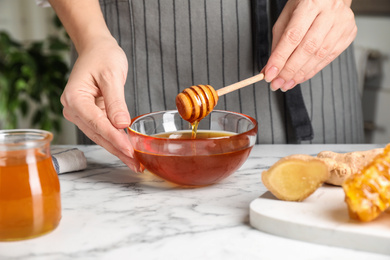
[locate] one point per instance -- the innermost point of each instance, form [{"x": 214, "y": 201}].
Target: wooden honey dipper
[{"x": 196, "y": 102}]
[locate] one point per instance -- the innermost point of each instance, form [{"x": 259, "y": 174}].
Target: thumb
[{"x": 115, "y": 104}]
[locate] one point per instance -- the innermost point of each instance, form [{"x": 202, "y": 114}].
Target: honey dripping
[
  {"x": 367, "y": 193},
  {"x": 194, "y": 127}
]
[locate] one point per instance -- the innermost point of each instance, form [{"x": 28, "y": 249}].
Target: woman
[{"x": 138, "y": 55}]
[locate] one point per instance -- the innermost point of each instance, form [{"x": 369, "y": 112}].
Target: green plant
[{"x": 32, "y": 77}]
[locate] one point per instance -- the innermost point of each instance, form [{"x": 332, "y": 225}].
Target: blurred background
[{"x": 34, "y": 67}]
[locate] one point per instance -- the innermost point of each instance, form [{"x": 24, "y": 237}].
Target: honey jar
[{"x": 30, "y": 203}]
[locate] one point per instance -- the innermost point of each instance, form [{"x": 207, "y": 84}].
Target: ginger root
[
  {"x": 341, "y": 166},
  {"x": 295, "y": 177}
]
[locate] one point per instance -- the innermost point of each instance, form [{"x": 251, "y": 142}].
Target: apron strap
[{"x": 294, "y": 103}]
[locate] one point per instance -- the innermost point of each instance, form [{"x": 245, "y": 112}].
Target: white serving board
[{"x": 322, "y": 218}]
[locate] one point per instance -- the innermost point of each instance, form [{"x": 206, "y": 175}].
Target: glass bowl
[{"x": 163, "y": 145}]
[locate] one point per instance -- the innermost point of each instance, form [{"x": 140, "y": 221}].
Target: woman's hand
[
  {"x": 308, "y": 35},
  {"x": 94, "y": 100},
  {"x": 94, "y": 97}
]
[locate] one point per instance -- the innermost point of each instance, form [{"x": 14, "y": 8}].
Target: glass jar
[{"x": 30, "y": 203}]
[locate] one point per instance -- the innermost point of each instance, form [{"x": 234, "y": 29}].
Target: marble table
[{"x": 110, "y": 212}]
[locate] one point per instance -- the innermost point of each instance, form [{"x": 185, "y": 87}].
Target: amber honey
[
  {"x": 29, "y": 195},
  {"x": 194, "y": 165},
  {"x": 199, "y": 134}
]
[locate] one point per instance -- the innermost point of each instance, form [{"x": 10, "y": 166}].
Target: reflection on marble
[{"x": 110, "y": 212}]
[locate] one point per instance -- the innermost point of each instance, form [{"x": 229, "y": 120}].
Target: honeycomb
[{"x": 367, "y": 193}]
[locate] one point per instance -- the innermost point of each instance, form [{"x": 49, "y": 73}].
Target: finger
[
  {"x": 126, "y": 157},
  {"x": 305, "y": 51},
  {"x": 326, "y": 53},
  {"x": 277, "y": 32},
  {"x": 299, "y": 24},
  {"x": 117, "y": 136},
  {"x": 95, "y": 119},
  {"x": 97, "y": 138},
  {"x": 131, "y": 162},
  {"x": 343, "y": 43},
  {"x": 317, "y": 68},
  {"x": 337, "y": 40},
  {"x": 313, "y": 67},
  {"x": 111, "y": 83}
]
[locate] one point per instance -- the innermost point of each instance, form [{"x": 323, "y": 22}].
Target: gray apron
[{"x": 172, "y": 45}]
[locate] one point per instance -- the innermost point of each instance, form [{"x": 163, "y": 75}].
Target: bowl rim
[{"x": 254, "y": 121}]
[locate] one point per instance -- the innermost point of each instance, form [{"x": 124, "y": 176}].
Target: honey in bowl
[
  {"x": 163, "y": 143},
  {"x": 201, "y": 134},
  {"x": 30, "y": 203}
]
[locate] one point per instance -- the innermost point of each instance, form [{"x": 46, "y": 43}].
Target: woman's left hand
[{"x": 308, "y": 35}]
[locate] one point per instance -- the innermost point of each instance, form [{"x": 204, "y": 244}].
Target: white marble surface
[{"x": 109, "y": 212}]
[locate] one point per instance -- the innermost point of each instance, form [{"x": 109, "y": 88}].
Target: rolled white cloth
[
  {"x": 68, "y": 160},
  {"x": 42, "y": 3}
]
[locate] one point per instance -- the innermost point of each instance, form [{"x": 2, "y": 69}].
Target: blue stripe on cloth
[
  {"x": 56, "y": 165},
  {"x": 53, "y": 152}
]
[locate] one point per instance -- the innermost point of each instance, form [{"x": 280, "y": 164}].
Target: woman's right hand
[{"x": 93, "y": 98}]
